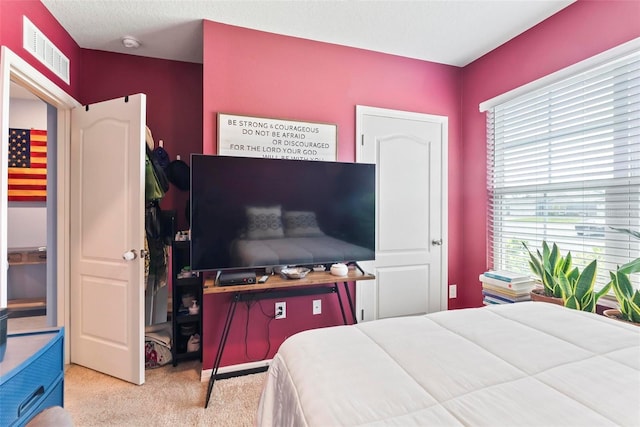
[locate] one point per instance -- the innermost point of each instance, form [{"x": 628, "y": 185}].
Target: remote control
[{"x": 263, "y": 279}]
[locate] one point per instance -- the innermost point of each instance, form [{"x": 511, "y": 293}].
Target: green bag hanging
[{"x": 152, "y": 189}]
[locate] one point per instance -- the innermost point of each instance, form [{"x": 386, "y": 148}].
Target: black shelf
[
  {"x": 187, "y": 281},
  {"x": 189, "y": 355},
  {"x": 184, "y": 325},
  {"x": 187, "y": 318}
]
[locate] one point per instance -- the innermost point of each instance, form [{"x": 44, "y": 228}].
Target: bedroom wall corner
[{"x": 560, "y": 41}]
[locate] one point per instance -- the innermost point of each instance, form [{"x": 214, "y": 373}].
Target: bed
[{"x": 529, "y": 363}]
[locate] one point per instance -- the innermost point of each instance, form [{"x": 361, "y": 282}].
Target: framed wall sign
[{"x": 246, "y": 136}]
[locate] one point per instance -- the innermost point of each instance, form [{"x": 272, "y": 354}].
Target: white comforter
[{"x": 528, "y": 363}]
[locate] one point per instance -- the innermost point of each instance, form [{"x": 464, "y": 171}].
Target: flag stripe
[
  {"x": 28, "y": 165},
  {"x": 29, "y": 192},
  {"x": 26, "y": 182},
  {"x": 28, "y": 198},
  {"x": 34, "y": 173}
]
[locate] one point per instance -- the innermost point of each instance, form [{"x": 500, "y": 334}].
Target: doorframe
[
  {"x": 361, "y": 111},
  {"x": 13, "y": 67}
]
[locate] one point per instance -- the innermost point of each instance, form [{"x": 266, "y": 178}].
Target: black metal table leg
[
  {"x": 353, "y": 310},
  {"x": 337, "y": 291},
  {"x": 223, "y": 341}
]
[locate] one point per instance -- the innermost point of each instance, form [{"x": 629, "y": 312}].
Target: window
[{"x": 564, "y": 166}]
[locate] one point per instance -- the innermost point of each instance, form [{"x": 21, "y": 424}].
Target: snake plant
[
  {"x": 628, "y": 298},
  {"x": 562, "y": 280},
  {"x": 578, "y": 291},
  {"x": 549, "y": 266}
]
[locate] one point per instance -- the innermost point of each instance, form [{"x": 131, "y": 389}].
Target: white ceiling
[{"x": 454, "y": 32}]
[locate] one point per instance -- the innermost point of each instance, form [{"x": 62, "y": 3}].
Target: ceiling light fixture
[{"x": 130, "y": 42}]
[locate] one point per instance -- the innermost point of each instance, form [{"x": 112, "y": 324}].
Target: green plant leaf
[
  {"x": 586, "y": 280},
  {"x": 623, "y": 286},
  {"x": 568, "y": 262},
  {"x": 636, "y": 297},
  {"x": 631, "y": 267},
  {"x": 605, "y": 290},
  {"x": 549, "y": 284},
  {"x": 573, "y": 274},
  {"x": 553, "y": 259},
  {"x": 565, "y": 287},
  {"x": 634, "y": 314},
  {"x": 572, "y": 302},
  {"x": 588, "y": 303},
  {"x": 633, "y": 233}
]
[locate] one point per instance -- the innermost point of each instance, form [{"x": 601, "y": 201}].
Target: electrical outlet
[
  {"x": 317, "y": 306},
  {"x": 453, "y": 291},
  {"x": 281, "y": 310}
]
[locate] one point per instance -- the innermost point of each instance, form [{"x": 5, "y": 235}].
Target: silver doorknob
[
  {"x": 129, "y": 255},
  {"x": 435, "y": 242}
]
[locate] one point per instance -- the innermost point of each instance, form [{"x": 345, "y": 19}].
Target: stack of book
[{"x": 505, "y": 287}]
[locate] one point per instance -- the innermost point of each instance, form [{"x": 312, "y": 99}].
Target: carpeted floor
[{"x": 170, "y": 396}]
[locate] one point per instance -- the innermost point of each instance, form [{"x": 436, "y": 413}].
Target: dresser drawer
[
  {"x": 26, "y": 387},
  {"x": 54, "y": 398}
]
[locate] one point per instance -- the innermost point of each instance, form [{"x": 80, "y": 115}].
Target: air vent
[{"x": 46, "y": 52}]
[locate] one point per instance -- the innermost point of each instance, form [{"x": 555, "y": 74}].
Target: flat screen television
[{"x": 250, "y": 213}]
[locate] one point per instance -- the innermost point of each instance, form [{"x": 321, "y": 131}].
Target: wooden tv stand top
[{"x": 276, "y": 281}]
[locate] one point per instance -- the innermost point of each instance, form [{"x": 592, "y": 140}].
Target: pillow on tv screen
[
  {"x": 264, "y": 222},
  {"x": 301, "y": 224}
]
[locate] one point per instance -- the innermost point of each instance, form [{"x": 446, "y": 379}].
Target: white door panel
[
  {"x": 403, "y": 290},
  {"x": 98, "y": 297},
  {"x": 403, "y": 211},
  {"x": 107, "y": 220},
  {"x": 409, "y": 150}
]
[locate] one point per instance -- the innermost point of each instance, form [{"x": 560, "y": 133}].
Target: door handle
[
  {"x": 129, "y": 255},
  {"x": 437, "y": 242}
]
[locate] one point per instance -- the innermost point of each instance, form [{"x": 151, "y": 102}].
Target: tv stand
[{"x": 277, "y": 287}]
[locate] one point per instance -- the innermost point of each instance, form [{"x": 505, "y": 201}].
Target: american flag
[{"x": 27, "y": 165}]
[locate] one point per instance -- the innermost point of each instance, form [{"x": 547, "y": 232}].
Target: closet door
[
  {"x": 409, "y": 150},
  {"x": 106, "y": 238}
]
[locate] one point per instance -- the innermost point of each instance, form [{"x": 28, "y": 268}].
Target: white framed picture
[{"x": 247, "y": 136}]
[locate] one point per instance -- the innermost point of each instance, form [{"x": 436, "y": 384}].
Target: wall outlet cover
[{"x": 281, "y": 310}]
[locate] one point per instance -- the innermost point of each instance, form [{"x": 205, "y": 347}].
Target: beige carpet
[{"x": 170, "y": 396}]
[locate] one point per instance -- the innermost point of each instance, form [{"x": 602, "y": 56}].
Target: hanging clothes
[{"x": 156, "y": 185}]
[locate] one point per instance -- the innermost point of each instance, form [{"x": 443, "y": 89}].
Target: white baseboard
[{"x": 205, "y": 374}]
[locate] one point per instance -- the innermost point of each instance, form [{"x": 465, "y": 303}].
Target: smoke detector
[{"x": 130, "y": 42}]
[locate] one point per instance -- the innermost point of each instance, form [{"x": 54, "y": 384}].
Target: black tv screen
[{"x": 249, "y": 213}]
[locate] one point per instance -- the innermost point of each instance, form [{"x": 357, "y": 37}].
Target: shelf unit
[
  {"x": 24, "y": 258},
  {"x": 184, "y": 324}
]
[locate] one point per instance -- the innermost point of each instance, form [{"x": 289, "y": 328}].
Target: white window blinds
[{"x": 564, "y": 166}]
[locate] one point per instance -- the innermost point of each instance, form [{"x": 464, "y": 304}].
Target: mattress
[
  {"x": 529, "y": 363},
  {"x": 295, "y": 251}
]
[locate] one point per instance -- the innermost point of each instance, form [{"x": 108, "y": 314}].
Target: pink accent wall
[
  {"x": 578, "y": 32},
  {"x": 11, "y": 13},
  {"x": 174, "y": 101},
  {"x": 256, "y": 73}
]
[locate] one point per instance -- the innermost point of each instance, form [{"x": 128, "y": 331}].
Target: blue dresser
[{"x": 31, "y": 375}]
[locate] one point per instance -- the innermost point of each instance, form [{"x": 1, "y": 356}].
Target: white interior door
[
  {"x": 107, "y": 222},
  {"x": 409, "y": 150}
]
